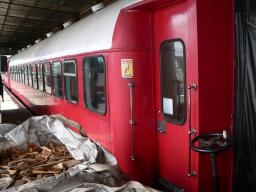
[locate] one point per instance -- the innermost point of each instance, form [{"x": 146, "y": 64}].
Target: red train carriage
[{"x": 123, "y": 73}]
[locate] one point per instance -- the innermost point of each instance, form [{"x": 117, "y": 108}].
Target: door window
[{"x": 173, "y": 81}]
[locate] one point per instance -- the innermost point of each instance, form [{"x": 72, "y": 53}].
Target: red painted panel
[
  {"x": 133, "y": 30},
  {"x": 216, "y": 68},
  {"x": 209, "y": 63},
  {"x": 177, "y": 21},
  {"x": 143, "y": 166}
]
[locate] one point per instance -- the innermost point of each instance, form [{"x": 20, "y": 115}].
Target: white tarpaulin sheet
[{"x": 98, "y": 172}]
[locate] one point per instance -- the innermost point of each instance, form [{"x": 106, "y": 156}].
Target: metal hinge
[{"x": 161, "y": 126}]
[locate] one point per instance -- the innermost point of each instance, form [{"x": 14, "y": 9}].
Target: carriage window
[
  {"x": 18, "y": 73},
  {"x": 70, "y": 81},
  {"x": 30, "y": 75},
  {"x": 94, "y": 84},
  {"x": 12, "y": 73},
  {"x": 40, "y": 77},
  {"x": 15, "y": 73},
  {"x": 57, "y": 79},
  {"x": 47, "y": 78},
  {"x": 173, "y": 83},
  {"x": 23, "y": 74},
  {"x": 27, "y": 74},
  {"x": 20, "y": 76},
  {"x": 34, "y": 76}
]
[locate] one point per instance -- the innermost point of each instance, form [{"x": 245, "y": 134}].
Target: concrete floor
[{"x": 12, "y": 110}]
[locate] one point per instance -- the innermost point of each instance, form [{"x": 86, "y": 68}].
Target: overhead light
[
  {"x": 49, "y": 34},
  {"x": 37, "y": 41},
  {"x": 23, "y": 49},
  {"x": 68, "y": 23},
  {"x": 97, "y": 7},
  {"x": 29, "y": 45}
]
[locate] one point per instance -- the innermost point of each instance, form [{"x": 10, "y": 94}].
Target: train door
[{"x": 172, "y": 62}]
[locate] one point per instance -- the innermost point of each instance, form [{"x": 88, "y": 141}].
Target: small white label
[{"x": 168, "y": 106}]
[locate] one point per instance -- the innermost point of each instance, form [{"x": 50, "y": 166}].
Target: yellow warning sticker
[{"x": 127, "y": 68}]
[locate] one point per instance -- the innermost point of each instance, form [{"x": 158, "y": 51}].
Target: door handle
[
  {"x": 132, "y": 119},
  {"x": 191, "y": 131}
]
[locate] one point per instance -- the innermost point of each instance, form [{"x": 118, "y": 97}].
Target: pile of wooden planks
[{"x": 35, "y": 162}]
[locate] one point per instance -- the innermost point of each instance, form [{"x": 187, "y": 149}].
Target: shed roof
[
  {"x": 24, "y": 21},
  {"x": 92, "y": 33}
]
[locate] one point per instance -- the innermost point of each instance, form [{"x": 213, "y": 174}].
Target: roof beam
[
  {"x": 26, "y": 27},
  {"x": 15, "y": 25},
  {"x": 7, "y": 11},
  {"x": 60, "y": 9},
  {"x": 18, "y": 31},
  {"x": 49, "y": 15},
  {"x": 5, "y": 44},
  {"x": 8, "y": 51},
  {"x": 30, "y": 18},
  {"x": 23, "y": 20}
]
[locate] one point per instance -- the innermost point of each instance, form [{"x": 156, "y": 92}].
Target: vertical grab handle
[
  {"x": 191, "y": 131},
  {"x": 132, "y": 120}
]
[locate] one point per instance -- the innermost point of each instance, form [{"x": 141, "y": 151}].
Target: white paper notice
[{"x": 168, "y": 106}]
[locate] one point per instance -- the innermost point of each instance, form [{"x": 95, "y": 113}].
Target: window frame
[
  {"x": 28, "y": 82},
  {"x": 105, "y": 85},
  {"x": 33, "y": 84},
  {"x": 167, "y": 117},
  {"x": 70, "y": 75},
  {"x": 19, "y": 75},
  {"x": 53, "y": 88},
  {"x": 15, "y": 73},
  {"x": 11, "y": 73},
  {"x": 23, "y": 74},
  {"x": 41, "y": 69},
  {"x": 50, "y": 65}
]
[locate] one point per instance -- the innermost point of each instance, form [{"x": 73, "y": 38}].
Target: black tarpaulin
[{"x": 244, "y": 178}]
